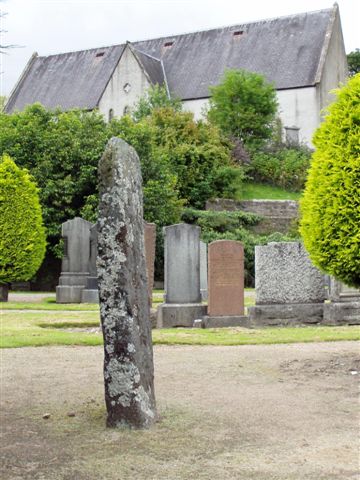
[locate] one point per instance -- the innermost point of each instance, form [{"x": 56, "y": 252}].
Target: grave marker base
[{"x": 179, "y": 314}]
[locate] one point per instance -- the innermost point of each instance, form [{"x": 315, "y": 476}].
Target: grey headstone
[
  {"x": 182, "y": 263},
  {"x": 203, "y": 270},
  {"x": 284, "y": 274},
  {"x": 90, "y": 294},
  {"x": 124, "y": 305},
  {"x": 75, "y": 262}
]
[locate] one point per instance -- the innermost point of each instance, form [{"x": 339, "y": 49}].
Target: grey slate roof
[{"x": 286, "y": 50}]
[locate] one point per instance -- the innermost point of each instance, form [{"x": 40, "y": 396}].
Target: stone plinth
[
  {"x": 179, "y": 314},
  {"x": 342, "y": 313},
  {"x": 289, "y": 289},
  {"x": 150, "y": 244},
  {"x": 75, "y": 262},
  {"x": 124, "y": 300},
  {"x": 225, "y": 321},
  {"x": 226, "y": 278}
]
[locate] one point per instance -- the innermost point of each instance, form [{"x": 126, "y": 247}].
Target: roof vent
[
  {"x": 168, "y": 44},
  {"x": 238, "y": 33},
  {"x": 100, "y": 54}
]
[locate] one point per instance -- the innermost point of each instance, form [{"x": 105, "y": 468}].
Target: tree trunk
[{"x": 4, "y": 292}]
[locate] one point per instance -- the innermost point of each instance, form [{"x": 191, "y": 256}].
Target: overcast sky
[{"x": 52, "y": 26}]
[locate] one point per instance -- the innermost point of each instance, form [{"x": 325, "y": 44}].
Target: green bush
[
  {"x": 244, "y": 106},
  {"x": 330, "y": 223},
  {"x": 284, "y": 167},
  {"x": 22, "y": 235}
]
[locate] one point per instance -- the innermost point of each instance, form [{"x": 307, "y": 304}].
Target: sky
[{"x": 51, "y": 26}]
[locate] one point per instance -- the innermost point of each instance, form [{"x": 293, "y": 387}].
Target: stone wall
[{"x": 277, "y": 215}]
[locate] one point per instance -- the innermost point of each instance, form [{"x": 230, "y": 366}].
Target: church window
[
  {"x": 126, "y": 109},
  {"x": 127, "y": 87},
  {"x": 111, "y": 114}
]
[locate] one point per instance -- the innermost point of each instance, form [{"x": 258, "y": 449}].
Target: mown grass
[
  {"x": 24, "y": 329},
  {"x": 259, "y": 191}
]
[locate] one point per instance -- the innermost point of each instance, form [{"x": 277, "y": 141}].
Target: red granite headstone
[
  {"x": 150, "y": 242},
  {"x": 226, "y": 278}
]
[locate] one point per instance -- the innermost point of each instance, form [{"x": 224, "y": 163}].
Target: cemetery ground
[{"x": 279, "y": 408}]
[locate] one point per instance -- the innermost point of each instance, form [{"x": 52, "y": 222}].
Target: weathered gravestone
[
  {"x": 203, "y": 270},
  {"x": 150, "y": 244},
  {"x": 182, "y": 277},
  {"x": 226, "y": 285},
  {"x": 123, "y": 290},
  {"x": 344, "y": 305},
  {"x": 75, "y": 262},
  {"x": 90, "y": 294},
  {"x": 289, "y": 289}
]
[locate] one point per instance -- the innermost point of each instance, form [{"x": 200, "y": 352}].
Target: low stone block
[
  {"x": 226, "y": 321},
  {"x": 290, "y": 314},
  {"x": 179, "y": 314},
  {"x": 90, "y": 296},
  {"x": 342, "y": 313},
  {"x": 69, "y": 293}
]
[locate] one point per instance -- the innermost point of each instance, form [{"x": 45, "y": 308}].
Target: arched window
[
  {"x": 126, "y": 110},
  {"x": 111, "y": 114}
]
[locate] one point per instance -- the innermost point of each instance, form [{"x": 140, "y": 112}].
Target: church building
[{"x": 302, "y": 55}]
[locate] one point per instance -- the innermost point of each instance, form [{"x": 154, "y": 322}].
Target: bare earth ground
[{"x": 252, "y": 412}]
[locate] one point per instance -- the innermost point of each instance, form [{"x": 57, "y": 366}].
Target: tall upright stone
[
  {"x": 75, "y": 262},
  {"x": 90, "y": 294},
  {"x": 182, "y": 277},
  {"x": 204, "y": 270},
  {"x": 150, "y": 244},
  {"x": 124, "y": 305}
]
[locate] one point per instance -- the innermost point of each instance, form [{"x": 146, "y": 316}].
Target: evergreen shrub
[{"x": 330, "y": 223}]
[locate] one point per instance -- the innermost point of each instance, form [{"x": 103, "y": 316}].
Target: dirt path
[{"x": 280, "y": 412}]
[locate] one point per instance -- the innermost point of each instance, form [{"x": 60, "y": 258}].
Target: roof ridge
[{"x": 134, "y": 42}]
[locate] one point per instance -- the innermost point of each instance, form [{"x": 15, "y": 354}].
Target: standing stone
[
  {"x": 203, "y": 270},
  {"x": 90, "y": 294},
  {"x": 182, "y": 277},
  {"x": 75, "y": 262},
  {"x": 124, "y": 305},
  {"x": 289, "y": 289},
  {"x": 226, "y": 278},
  {"x": 150, "y": 244}
]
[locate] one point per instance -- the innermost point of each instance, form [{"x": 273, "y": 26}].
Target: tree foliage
[
  {"x": 330, "y": 224},
  {"x": 155, "y": 97},
  {"x": 353, "y": 59},
  {"x": 244, "y": 106},
  {"x": 22, "y": 235}
]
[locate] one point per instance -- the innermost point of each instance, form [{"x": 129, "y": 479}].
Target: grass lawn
[
  {"x": 259, "y": 191},
  {"x": 26, "y": 328}
]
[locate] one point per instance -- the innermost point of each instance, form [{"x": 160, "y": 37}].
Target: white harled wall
[{"x": 128, "y": 71}]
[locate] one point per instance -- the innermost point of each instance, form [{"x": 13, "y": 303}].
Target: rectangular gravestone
[
  {"x": 75, "y": 262},
  {"x": 90, "y": 294},
  {"x": 203, "y": 270},
  {"x": 289, "y": 289},
  {"x": 150, "y": 244},
  {"x": 182, "y": 277},
  {"x": 225, "y": 285}
]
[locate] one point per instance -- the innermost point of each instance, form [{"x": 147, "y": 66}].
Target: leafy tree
[
  {"x": 330, "y": 224},
  {"x": 22, "y": 235},
  {"x": 155, "y": 97},
  {"x": 244, "y": 106},
  {"x": 353, "y": 59}
]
